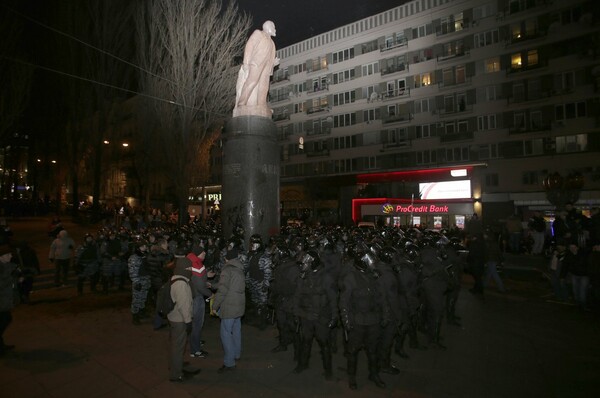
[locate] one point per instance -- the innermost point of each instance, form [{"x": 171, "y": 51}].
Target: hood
[
  {"x": 183, "y": 267},
  {"x": 236, "y": 263}
]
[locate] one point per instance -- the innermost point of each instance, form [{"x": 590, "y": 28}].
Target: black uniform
[
  {"x": 409, "y": 273},
  {"x": 362, "y": 310},
  {"x": 435, "y": 283},
  {"x": 390, "y": 288},
  {"x": 316, "y": 310},
  {"x": 285, "y": 280}
]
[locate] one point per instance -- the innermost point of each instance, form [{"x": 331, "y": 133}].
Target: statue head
[{"x": 269, "y": 27}]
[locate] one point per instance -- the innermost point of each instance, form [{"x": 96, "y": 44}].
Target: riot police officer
[
  {"x": 87, "y": 263},
  {"x": 140, "y": 281},
  {"x": 285, "y": 280},
  {"x": 316, "y": 310},
  {"x": 435, "y": 283},
  {"x": 390, "y": 288},
  {"x": 258, "y": 277},
  {"x": 363, "y": 312}
]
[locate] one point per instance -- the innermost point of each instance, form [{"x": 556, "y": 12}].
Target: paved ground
[{"x": 511, "y": 345}]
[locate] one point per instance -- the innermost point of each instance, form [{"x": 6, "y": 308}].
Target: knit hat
[
  {"x": 183, "y": 266},
  {"x": 231, "y": 254}
]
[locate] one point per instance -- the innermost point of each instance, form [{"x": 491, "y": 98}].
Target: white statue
[{"x": 252, "y": 85}]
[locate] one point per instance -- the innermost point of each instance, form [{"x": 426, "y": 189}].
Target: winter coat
[
  {"x": 181, "y": 294},
  {"x": 230, "y": 299},
  {"x": 62, "y": 247},
  {"x": 8, "y": 282}
]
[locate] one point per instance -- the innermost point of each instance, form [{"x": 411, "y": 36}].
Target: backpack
[{"x": 164, "y": 302}]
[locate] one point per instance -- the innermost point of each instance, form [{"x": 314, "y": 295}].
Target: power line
[
  {"x": 110, "y": 85},
  {"x": 85, "y": 43}
]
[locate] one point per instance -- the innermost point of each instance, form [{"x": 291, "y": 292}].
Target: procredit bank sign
[{"x": 388, "y": 208}]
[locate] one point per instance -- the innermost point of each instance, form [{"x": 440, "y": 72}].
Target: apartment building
[{"x": 500, "y": 93}]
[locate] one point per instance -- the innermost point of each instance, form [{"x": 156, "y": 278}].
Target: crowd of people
[
  {"x": 371, "y": 290},
  {"x": 345, "y": 287}
]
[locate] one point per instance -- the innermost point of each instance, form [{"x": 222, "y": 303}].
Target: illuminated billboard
[{"x": 445, "y": 190}]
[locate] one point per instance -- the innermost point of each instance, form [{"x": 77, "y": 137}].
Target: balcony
[
  {"x": 526, "y": 36},
  {"x": 317, "y": 109},
  {"x": 461, "y": 136},
  {"x": 458, "y": 25},
  {"x": 396, "y": 93},
  {"x": 279, "y": 98},
  {"x": 531, "y": 129},
  {"x": 280, "y": 116},
  {"x": 317, "y": 152},
  {"x": 319, "y": 88},
  {"x": 395, "y": 68},
  {"x": 318, "y": 130},
  {"x": 396, "y": 144},
  {"x": 280, "y": 77},
  {"x": 401, "y": 118},
  {"x": 393, "y": 44},
  {"x": 514, "y": 69},
  {"x": 459, "y": 109},
  {"x": 457, "y": 54},
  {"x": 454, "y": 83}
]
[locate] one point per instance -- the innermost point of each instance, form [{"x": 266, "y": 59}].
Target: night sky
[
  {"x": 295, "y": 21},
  {"x": 299, "y": 20}
]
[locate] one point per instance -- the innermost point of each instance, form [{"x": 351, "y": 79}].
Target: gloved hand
[
  {"x": 137, "y": 287},
  {"x": 332, "y": 323},
  {"x": 384, "y": 323},
  {"x": 188, "y": 327}
]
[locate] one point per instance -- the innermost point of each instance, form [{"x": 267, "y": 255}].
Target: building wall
[{"x": 511, "y": 84}]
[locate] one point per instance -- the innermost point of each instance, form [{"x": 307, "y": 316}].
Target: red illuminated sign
[{"x": 388, "y": 209}]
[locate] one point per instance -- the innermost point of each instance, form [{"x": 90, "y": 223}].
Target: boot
[
  {"x": 385, "y": 365},
  {"x": 414, "y": 341},
  {"x": 373, "y": 370},
  {"x": 437, "y": 344},
  {"x": 327, "y": 361},
  {"x": 399, "y": 349},
  {"x": 352, "y": 359},
  {"x": 374, "y": 377},
  {"x": 303, "y": 358}
]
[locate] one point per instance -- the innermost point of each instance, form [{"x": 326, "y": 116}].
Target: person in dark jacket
[
  {"x": 575, "y": 266},
  {"x": 494, "y": 259},
  {"x": 200, "y": 291},
  {"x": 8, "y": 283},
  {"x": 285, "y": 280},
  {"x": 435, "y": 284},
  {"x": 476, "y": 259},
  {"x": 230, "y": 304},
  {"x": 316, "y": 310},
  {"x": 30, "y": 267},
  {"x": 87, "y": 263},
  {"x": 390, "y": 287},
  {"x": 363, "y": 313}
]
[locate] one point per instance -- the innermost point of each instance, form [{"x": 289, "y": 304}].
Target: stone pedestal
[{"x": 250, "y": 192}]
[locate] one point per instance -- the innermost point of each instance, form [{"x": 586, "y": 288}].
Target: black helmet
[
  {"x": 89, "y": 238},
  {"x": 412, "y": 251},
  {"x": 256, "y": 244},
  {"x": 310, "y": 260},
  {"x": 366, "y": 262},
  {"x": 387, "y": 254}
]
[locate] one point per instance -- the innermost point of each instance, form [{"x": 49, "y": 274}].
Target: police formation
[{"x": 347, "y": 288}]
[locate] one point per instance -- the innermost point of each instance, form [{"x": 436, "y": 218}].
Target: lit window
[
  {"x": 492, "y": 65},
  {"x": 515, "y": 61},
  {"x": 532, "y": 57},
  {"x": 426, "y": 79}
]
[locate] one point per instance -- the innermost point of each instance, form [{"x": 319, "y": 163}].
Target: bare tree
[{"x": 189, "y": 49}]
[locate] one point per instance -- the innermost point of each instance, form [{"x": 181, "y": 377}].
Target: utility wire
[
  {"x": 84, "y": 43},
  {"x": 109, "y": 85}
]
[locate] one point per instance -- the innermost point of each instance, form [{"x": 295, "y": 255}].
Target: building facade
[{"x": 507, "y": 88}]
